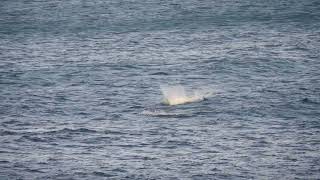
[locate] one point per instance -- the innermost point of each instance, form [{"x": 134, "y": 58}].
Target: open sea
[{"x": 159, "y": 89}]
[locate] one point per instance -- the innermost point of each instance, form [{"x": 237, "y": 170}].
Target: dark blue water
[{"x": 80, "y": 90}]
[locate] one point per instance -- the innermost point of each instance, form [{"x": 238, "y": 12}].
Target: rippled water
[{"x": 80, "y": 89}]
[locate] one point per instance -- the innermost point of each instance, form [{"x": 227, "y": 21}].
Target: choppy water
[{"x": 80, "y": 89}]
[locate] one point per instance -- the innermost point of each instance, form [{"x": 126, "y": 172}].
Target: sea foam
[{"x": 174, "y": 95}]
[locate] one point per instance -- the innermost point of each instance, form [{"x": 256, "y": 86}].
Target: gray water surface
[{"x": 80, "y": 89}]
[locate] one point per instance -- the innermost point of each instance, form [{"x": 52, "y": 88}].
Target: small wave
[
  {"x": 308, "y": 101},
  {"x": 32, "y": 139},
  {"x": 68, "y": 130},
  {"x": 175, "y": 95},
  {"x": 7, "y": 133},
  {"x": 162, "y": 113},
  {"x": 114, "y": 132},
  {"x": 157, "y": 113},
  {"x": 102, "y": 174},
  {"x": 160, "y": 73}
]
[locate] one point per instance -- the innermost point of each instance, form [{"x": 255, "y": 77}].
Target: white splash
[{"x": 174, "y": 95}]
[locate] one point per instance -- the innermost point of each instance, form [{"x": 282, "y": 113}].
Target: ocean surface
[{"x": 160, "y": 89}]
